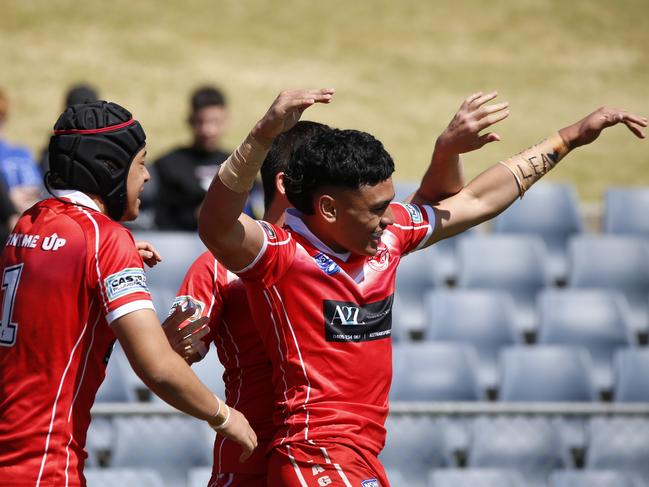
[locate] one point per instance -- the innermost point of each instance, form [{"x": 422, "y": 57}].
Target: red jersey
[
  {"x": 221, "y": 295},
  {"x": 68, "y": 271},
  {"x": 326, "y": 319}
]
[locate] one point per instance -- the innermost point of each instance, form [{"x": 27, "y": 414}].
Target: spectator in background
[
  {"x": 18, "y": 171},
  {"x": 8, "y": 215},
  {"x": 79, "y": 93},
  {"x": 183, "y": 176}
]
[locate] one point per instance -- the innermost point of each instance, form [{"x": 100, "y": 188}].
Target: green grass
[{"x": 400, "y": 68}]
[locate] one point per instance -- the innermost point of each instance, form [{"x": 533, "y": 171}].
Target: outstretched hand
[
  {"x": 148, "y": 252},
  {"x": 588, "y": 129},
  {"x": 286, "y": 110},
  {"x": 474, "y": 115}
]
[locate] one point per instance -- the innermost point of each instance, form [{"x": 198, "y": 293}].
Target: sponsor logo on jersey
[
  {"x": 327, "y": 265},
  {"x": 351, "y": 322},
  {"x": 269, "y": 230},
  {"x": 123, "y": 283},
  {"x": 379, "y": 262},
  {"x": 370, "y": 483},
  {"x": 415, "y": 213},
  {"x": 184, "y": 301}
]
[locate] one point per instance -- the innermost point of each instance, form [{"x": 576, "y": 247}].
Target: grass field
[{"x": 400, "y": 68}]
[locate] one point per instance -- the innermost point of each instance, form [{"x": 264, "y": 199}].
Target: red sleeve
[
  {"x": 274, "y": 258},
  {"x": 119, "y": 271},
  {"x": 413, "y": 225}
]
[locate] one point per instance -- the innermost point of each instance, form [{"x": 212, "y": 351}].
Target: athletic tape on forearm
[
  {"x": 532, "y": 164},
  {"x": 239, "y": 171}
]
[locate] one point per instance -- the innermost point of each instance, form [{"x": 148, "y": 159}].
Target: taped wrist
[
  {"x": 532, "y": 164},
  {"x": 239, "y": 170}
]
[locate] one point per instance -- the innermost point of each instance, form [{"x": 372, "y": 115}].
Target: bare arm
[
  {"x": 169, "y": 377},
  {"x": 496, "y": 188},
  {"x": 233, "y": 237},
  {"x": 445, "y": 174}
]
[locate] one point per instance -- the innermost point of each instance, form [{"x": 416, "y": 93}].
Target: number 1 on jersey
[{"x": 10, "y": 280}]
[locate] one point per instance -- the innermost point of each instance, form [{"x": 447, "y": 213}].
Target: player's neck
[
  {"x": 275, "y": 212},
  {"x": 99, "y": 202},
  {"x": 317, "y": 228}
]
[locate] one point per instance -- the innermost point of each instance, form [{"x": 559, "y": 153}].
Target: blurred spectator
[
  {"x": 79, "y": 93},
  {"x": 8, "y": 215},
  {"x": 18, "y": 170},
  {"x": 183, "y": 175}
]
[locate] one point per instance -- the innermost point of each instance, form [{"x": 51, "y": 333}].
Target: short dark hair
[
  {"x": 280, "y": 153},
  {"x": 206, "y": 96},
  {"x": 347, "y": 158}
]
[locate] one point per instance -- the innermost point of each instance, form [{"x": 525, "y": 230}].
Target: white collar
[
  {"x": 76, "y": 197},
  {"x": 294, "y": 220}
]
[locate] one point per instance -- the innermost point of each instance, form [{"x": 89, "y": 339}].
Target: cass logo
[
  {"x": 327, "y": 265},
  {"x": 415, "y": 213},
  {"x": 370, "y": 483},
  {"x": 127, "y": 281},
  {"x": 380, "y": 261}
]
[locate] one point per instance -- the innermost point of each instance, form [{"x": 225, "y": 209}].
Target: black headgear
[{"x": 91, "y": 150}]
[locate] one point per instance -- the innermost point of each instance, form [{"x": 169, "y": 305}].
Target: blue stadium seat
[
  {"x": 414, "y": 278},
  {"x": 482, "y": 318},
  {"x": 590, "y": 478},
  {"x": 199, "y": 477},
  {"x": 515, "y": 264},
  {"x": 127, "y": 373},
  {"x": 123, "y": 477},
  {"x": 435, "y": 371},
  {"x": 445, "y": 266},
  {"x": 414, "y": 445},
  {"x": 596, "y": 319},
  {"x": 546, "y": 373},
  {"x": 626, "y": 210},
  {"x": 632, "y": 375},
  {"x": 530, "y": 446},
  {"x": 171, "y": 445},
  {"x": 615, "y": 263},
  {"x": 117, "y": 386},
  {"x": 475, "y": 477},
  {"x": 619, "y": 444},
  {"x": 558, "y": 220},
  {"x": 99, "y": 440}
]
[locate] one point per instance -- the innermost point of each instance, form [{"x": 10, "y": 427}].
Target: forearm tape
[
  {"x": 532, "y": 164},
  {"x": 239, "y": 170}
]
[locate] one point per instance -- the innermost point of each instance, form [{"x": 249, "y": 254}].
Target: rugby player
[{"x": 73, "y": 282}]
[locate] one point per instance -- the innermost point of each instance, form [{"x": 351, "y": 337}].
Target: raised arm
[
  {"x": 496, "y": 188},
  {"x": 233, "y": 237},
  {"x": 445, "y": 174}
]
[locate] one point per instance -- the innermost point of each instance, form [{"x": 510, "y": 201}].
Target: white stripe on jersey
[
  {"x": 129, "y": 308},
  {"x": 342, "y": 475},
  {"x": 431, "y": 226},
  {"x": 298, "y": 473}
]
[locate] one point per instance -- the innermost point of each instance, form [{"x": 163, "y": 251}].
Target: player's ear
[
  {"x": 326, "y": 207},
  {"x": 279, "y": 183}
]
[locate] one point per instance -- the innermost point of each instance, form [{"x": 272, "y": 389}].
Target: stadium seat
[
  {"x": 99, "y": 440},
  {"x": 414, "y": 445},
  {"x": 414, "y": 279},
  {"x": 117, "y": 385},
  {"x": 199, "y": 477},
  {"x": 445, "y": 266},
  {"x": 435, "y": 371},
  {"x": 626, "y": 210},
  {"x": 395, "y": 477},
  {"x": 615, "y": 263},
  {"x": 620, "y": 444},
  {"x": 555, "y": 224},
  {"x": 482, "y": 318},
  {"x": 546, "y": 373},
  {"x": 171, "y": 445},
  {"x": 590, "y": 478},
  {"x": 123, "y": 477},
  {"x": 118, "y": 356},
  {"x": 531, "y": 446},
  {"x": 596, "y": 319},
  {"x": 475, "y": 477},
  {"x": 632, "y": 375},
  {"x": 515, "y": 264}
]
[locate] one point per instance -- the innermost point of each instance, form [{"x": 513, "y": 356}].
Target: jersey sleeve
[
  {"x": 274, "y": 258},
  {"x": 413, "y": 225},
  {"x": 119, "y": 271}
]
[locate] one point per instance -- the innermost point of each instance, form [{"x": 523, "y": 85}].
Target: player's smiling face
[
  {"x": 361, "y": 216},
  {"x": 138, "y": 175}
]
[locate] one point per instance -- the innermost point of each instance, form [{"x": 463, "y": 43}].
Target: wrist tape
[
  {"x": 532, "y": 164},
  {"x": 239, "y": 170}
]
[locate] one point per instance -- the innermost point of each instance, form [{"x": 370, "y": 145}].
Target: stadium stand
[
  {"x": 435, "y": 371},
  {"x": 116, "y": 386},
  {"x": 482, "y": 318},
  {"x": 414, "y": 279},
  {"x": 199, "y": 477},
  {"x": 595, "y": 319},
  {"x": 615, "y": 263},
  {"x": 632, "y": 375},
  {"x": 475, "y": 477},
  {"x": 591, "y": 478},
  {"x": 546, "y": 373},
  {"x": 123, "y": 477},
  {"x": 556, "y": 224},
  {"x": 625, "y": 211},
  {"x": 515, "y": 264}
]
